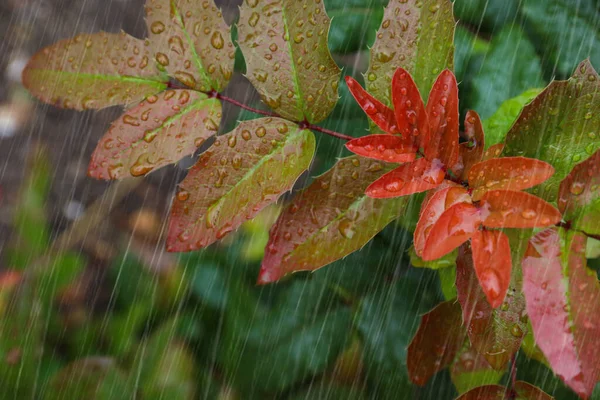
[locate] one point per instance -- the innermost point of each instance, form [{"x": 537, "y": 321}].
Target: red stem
[
  {"x": 242, "y": 105},
  {"x": 327, "y": 132}
]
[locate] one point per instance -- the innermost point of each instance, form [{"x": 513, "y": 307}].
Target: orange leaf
[
  {"x": 382, "y": 115},
  {"x": 454, "y": 227},
  {"x": 418, "y": 176},
  {"x": 471, "y": 152},
  {"x": 510, "y": 209},
  {"x": 507, "y": 173},
  {"x": 389, "y": 148},
  {"x": 433, "y": 209},
  {"x": 493, "y": 265},
  {"x": 493, "y": 152},
  {"x": 442, "y": 111},
  {"x": 411, "y": 116}
]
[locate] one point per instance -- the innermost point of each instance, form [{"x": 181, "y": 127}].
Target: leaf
[
  {"x": 379, "y": 113},
  {"x": 285, "y": 46},
  {"x": 496, "y": 334},
  {"x": 442, "y": 109},
  {"x": 471, "y": 151},
  {"x": 405, "y": 40},
  {"x": 487, "y": 15},
  {"x": 493, "y": 265},
  {"x": 550, "y": 21},
  {"x": 159, "y": 131},
  {"x": 454, "y": 227},
  {"x": 411, "y": 115},
  {"x": 470, "y": 369},
  {"x": 502, "y": 74},
  {"x": 497, "y": 126},
  {"x": 436, "y": 343},
  {"x": 354, "y": 24},
  {"x": 388, "y": 148},
  {"x": 527, "y": 391},
  {"x": 578, "y": 197},
  {"x": 469, "y": 49},
  {"x": 560, "y": 118},
  {"x": 563, "y": 298},
  {"x": 191, "y": 42},
  {"x": 507, "y": 173},
  {"x": 493, "y": 152},
  {"x": 449, "y": 260},
  {"x": 241, "y": 173},
  {"x": 329, "y": 220},
  {"x": 93, "y": 71},
  {"x": 418, "y": 176},
  {"x": 508, "y": 209},
  {"x": 488, "y": 392}
]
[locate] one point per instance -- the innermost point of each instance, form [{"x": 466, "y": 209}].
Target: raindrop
[
  {"x": 394, "y": 186},
  {"x": 346, "y": 228},
  {"x": 216, "y": 40}
]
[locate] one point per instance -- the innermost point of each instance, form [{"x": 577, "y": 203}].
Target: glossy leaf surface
[
  {"x": 93, "y": 71},
  {"x": 563, "y": 298},
  {"x": 526, "y": 391},
  {"x": 191, "y": 42},
  {"x": 388, "y": 148},
  {"x": 411, "y": 116},
  {"x": 329, "y": 220},
  {"x": 470, "y": 369},
  {"x": 488, "y": 392},
  {"x": 159, "y": 131},
  {"x": 579, "y": 196},
  {"x": 379, "y": 113},
  {"x": 507, "y": 173},
  {"x": 495, "y": 333},
  {"x": 416, "y": 177},
  {"x": 493, "y": 152},
  {"x": 454, "y": 227},
  {"x": 508, "y": 209},
  {"x": 471, "y": 151},
  {"x": 241, "y": 173},
  {"x": 559, "y": 126},
  {"x": 436, "y": 343},
  {"x": 285, "y": 47},
  {"x": 404, "y": 40},
  {"x": 493, "y": 265}
]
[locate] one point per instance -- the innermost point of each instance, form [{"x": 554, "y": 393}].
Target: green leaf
[
  {"x": 511, "y": 66},
  {"x": 415, "y": 35},
  {"x": 93, "y": 71},
  {"x": 240, "y": 174},
  {"x": 329, "y": 391},
  {"x": 486, "y": 15},
  {"x": 497, "y": 126},
  {"x": 94, "y": 378},
  {"x": 449, "y": 260},
  {"x": 159, "y": 131},
  {"x": 566, "y": 31},
  {"x": 209, "y": 284},
  {"x": 559, "y": 126},
  {"x": 447, "y": 282},
  {"x": 470, "y": 369},
  {"x": 329, "y": 220},
  {"x": 192, "y": 42},
  {"x": 354, "y": 23},
  {"x": 288, "y": 62},
  {"x": 468, "y": 47}
]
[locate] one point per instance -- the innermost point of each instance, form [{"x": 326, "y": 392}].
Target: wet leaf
[
  {"x": 436, "y": 343},
  {"x": 471, "y": 151},
  {"x": 493, "y": 265},
  {"x": 493, "y": 152},
  {"x": 526, "y": 391},
  {"x": 470, "y": 369},
  {"x": 380, "y": 114},
  {"x": 509, "y": 209},
  {"x": 354, "y": 23},
  {"x": 411, "y": 116},
  {"x": 496, "y": 334},
  {"x": 384, "y": 147},
  {"x": 579, "y": 198},
  {"x": 329, "y": 220},
  {"x": 487, "y": 15},
  {"x": 488, "y": 392},
  {"x": 418, "y": 176},
  {"x": 559, "y": 126},
  {"x": 455, "y": 226},
  {"x": 93, "y": 71},
  {"x": 159, "y": 131},
  {"x": 405, "y": 40},
  {"x": 285, "y": 47},
  {"x": 447, "y": 261},
  {"x": 442, "y": 109},
  {"x": 563, "y": 298},
  {"x": 507, "y": 173},
  {"x": 192, "y": 42},
  {"x": 241, "y": 173}
]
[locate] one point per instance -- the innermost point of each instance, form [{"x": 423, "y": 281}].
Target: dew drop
[
  {"x": 216, "y": 40},
  {"x": 346, "y": 228},
  {"x": 577, "y": 188},
  {"x": 394, "y": 186},
  {"x": 162, "y": 59}
]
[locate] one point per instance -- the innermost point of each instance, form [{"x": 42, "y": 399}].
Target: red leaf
[
  {"x": 454, "y": 227},
  {"x": 494, "y": 333},
  {"x": 418, "y": 176},
  {"x": 433, "y": 209},
  {"x": 507, "y": 173},
  {"x": 411, "y": 116},
  {"x": 493, "y": 265},
  {"x": 442, "y": 111},
  {"x": 488, "y": 392},
  {"x": 563, "y": 299},
  {"x": 527, "y": 391},
  {"x": 509, "y": 209},
  {"x": 389, "y": 148},
  {"x": 439, "y": 338},
  {"x": 493, "y": 152},
  {"x": 382, "y": 115},
  {"x": 471, "y": 152}
]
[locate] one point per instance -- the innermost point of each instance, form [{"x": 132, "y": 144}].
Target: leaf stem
[{"x": 326, "y": 131}]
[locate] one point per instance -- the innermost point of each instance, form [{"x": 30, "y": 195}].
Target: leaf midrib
[{"x": 295, "y": 77}]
